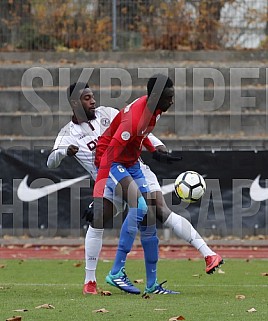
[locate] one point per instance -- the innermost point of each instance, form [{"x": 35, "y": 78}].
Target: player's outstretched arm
[{"x": 57, "y": 155}]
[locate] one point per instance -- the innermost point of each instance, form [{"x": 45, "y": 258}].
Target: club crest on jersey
[
  {"x": 105, "y": 122},
  {"x": 125, "y": 135}
]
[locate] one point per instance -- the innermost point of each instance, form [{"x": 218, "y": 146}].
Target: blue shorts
[{"x": 119, "y": 171}]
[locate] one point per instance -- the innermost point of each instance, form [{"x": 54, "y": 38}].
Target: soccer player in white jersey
[{"x": 79, "y": 138}]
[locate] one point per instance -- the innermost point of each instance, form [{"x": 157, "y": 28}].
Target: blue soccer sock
[
  {"x": 128, "y": 233},
  {"x": 149, "y": 241}
]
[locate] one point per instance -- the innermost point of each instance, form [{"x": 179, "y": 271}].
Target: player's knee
[
  {"x": 147, "y": 232},
  {"x": 142, "y": 205}
]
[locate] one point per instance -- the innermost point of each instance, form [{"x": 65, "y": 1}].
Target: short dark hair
[
  {"x": 168, "y": 83},
  {"x": 73, "y": 91}
]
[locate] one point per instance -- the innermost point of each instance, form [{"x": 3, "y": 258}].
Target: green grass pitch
[{"x": 30, "y": 283}]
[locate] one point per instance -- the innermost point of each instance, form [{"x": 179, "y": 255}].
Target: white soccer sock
[
  {"x": 93, "y": 244},
  {"x": 184, "y": 229}
]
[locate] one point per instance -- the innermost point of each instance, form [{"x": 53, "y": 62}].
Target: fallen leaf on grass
[
  {"x": 20, "y": 310},
  {"x": 2, "y": 266},
  {"x": 4, "y": 287},
  {"x": 160, "y": 309},
  {"x": 264, "y": 274},
  {"x": 252, "y": 310},
  {"x": 45, "y": 306},
  {"x": 220, "y": 271},
  {"x": 138, "y": 281},
  {"x": 106, "y": 293},
  {"x": 17, "y": 318},
  {"x": 103, "y": 310},
  {"x": 177, "y": 318},
  {"x": 240, "y": 297},
  {"x": 145, "y": 296},
  {"x": 77, "y": 264},
  {"x": 196, "y": 275}
]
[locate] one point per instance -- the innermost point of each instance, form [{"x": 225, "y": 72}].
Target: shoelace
[
  {"x": 127, "y": 280},
  {"x": 163, "y": 289}
]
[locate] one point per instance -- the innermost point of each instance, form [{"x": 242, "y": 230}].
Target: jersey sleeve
[
  {"x": 155, "y": 141},
  {"x": 148, "y": 145},
  {"x": 55, "y": 157},
  {"x": 59, "y": 151}
]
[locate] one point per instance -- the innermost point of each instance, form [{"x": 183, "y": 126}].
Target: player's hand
[
  {"x": 165, "y": 157},
  {"x": 89, "y": 213},
  {"x": 161, "y": 148},
  {"x": 72, "y": 150}
]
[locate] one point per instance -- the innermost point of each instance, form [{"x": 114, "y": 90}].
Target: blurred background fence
[{"x": 103, "y": 25}]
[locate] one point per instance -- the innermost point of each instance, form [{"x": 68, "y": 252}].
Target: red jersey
[{"x": 122, "y": 142}]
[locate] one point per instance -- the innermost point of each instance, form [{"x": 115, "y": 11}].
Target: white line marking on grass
[{"x": 175, "y": 285}]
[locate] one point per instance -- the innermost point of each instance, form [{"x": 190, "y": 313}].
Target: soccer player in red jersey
[{"x": 118, "y": 151}]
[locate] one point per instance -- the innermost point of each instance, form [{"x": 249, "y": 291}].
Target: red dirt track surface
[{"x": 108, "y": 252}]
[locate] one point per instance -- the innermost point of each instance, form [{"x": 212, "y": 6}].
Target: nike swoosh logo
[
  {"x": 256, "y": 192},
  {"x": 28, "y": 194},
  {"x": 166, "y": 189}
]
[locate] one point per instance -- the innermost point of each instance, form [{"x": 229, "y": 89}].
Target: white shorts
[{"x": 151, "y": 180}]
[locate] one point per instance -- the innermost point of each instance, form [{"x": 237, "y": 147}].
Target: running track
[{"x": 108, "y": 252}]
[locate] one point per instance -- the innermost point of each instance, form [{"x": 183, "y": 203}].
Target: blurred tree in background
[{"x": 141, "y": 24}]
